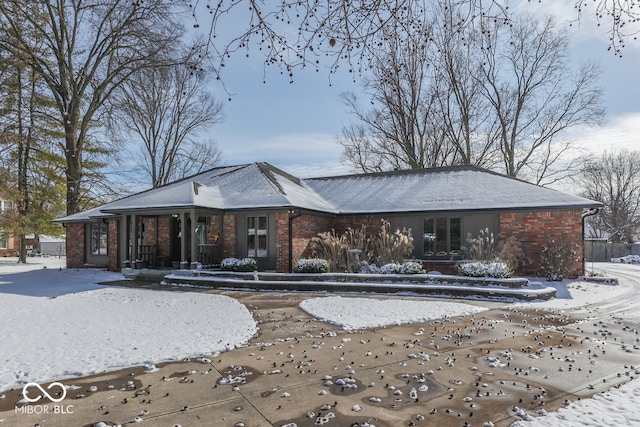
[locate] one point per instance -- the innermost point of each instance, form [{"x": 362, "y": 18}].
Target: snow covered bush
[
  {"x": 409, "y": 267},
  {"x": 235, "y": 264},
  {"x": 629, "y": 259},
  {"x": 412, "y": 267},
  {"x": 391, "y": 268},
  {"x": 495, "y": 269},
  {"x": 311, "y": 265},
  {"x": 558, "y": 258},
  {"x": 491, "y": 259}
]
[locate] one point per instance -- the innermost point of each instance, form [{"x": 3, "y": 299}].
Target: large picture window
[
  {"x": 98, "y": 238},
  {"x": 442, "y": 237},
  {"x": 257, "y": 236}
]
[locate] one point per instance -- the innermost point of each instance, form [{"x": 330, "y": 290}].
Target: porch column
[
  {"x": 193, "y": 239},
  {"x": 183, "y": 236},
  {"x": 134, "y": 238}
]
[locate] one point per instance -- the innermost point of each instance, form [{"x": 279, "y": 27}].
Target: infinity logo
[{"x": 53, "y": 399}]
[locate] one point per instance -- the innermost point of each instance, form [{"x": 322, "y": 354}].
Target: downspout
[
  {"x": 293, "y": 214},
  {"x": 590, "y": 212}
]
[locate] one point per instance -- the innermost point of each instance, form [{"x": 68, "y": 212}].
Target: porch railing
[{"x": 209, "y": 254}]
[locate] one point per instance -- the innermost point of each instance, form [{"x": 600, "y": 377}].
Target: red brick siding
[
  {"x": 282, "y": 242},
  {"x": 149, "y": 230},
  {"x": 13, "y": 246},
  {"x": 534, "y": 230},
  {"x": 164, "y": 236},
  {"x": 76, "y": 245},
  {"x": 229, "y": 236},
  {"x": 113, "y": 227}
]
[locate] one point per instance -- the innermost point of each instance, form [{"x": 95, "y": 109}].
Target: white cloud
[
  {"x": 301, "y": 154},
  {"x": 621, "y": 132}
]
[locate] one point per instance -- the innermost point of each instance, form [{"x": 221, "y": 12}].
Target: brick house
[
  {"x": 256, "y": 210},
  {"x": 9, "y": 243}
]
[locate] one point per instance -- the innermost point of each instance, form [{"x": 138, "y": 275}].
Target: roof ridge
[{"x": 436, "y": 169}]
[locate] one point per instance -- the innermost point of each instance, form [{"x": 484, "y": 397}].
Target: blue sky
[{"x": 294, "y": 125}]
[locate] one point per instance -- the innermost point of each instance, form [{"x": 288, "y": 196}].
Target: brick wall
[
  {"x": 164, "y": 236},
  {"x": 229, "y": 236},
  {"x": 75, "y": 245},
  {"x": 13, "y": 246},
  {"x": 534, "y": 230},
  {"x": 113, "y": 227}
]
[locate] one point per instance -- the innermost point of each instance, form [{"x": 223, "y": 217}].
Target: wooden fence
[{"x": 603, "y": 251}]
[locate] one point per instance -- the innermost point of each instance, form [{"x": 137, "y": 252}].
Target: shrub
[
  {"x": 510, "y": 251},
  {"x": 342, "y": 252},
  {"x": 495, "y": 269},
  {"x": 481, "y": 248},
  {"x": 409, "y": 267},
  {"x": 491, "y": 259},
  {"x": 412, "y": 267},
  {"x": 235, "y": 264},
  {"x": 558, "y": 258},
  {"x": 391, "y": 268},
  {"x": 311, "y": 265},
  {"x": 387, "y": 247}
]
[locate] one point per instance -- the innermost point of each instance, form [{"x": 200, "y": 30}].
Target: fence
[{"x": 603, "y": 251}]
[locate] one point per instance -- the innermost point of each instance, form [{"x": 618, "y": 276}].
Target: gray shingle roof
[{"x": 262, "y": 186}]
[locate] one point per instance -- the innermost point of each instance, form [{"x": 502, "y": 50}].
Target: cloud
[
  {"x": 621, "y": 132},
  {"x": 301, "y": 154}
]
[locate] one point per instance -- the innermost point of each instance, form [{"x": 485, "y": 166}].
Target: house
[
  {"x": 257, "y": 210},
  {"x": 9, "y": 243}
]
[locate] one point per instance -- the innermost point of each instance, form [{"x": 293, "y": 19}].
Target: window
[
  {"x": 98, "y": 234},
  {"x": 257, "y": 236},
  {"x": 6, "y": 206},
  {"x": 3, "y": 240},
  {"x": 442, "y": 236}
]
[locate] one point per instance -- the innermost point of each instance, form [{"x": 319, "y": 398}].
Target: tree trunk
[{"x": 74, "y": 168}]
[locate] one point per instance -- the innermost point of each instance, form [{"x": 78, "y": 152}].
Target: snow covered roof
[
  {"x": 263, "y": 186},
  {"x": 455, "y": 188}
]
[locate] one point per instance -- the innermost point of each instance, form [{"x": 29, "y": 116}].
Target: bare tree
[
  {"x": 165, "y": 108},
  {"x": 498, "y": 98},
  {"x": 84, "y": 50},
  {"x": 614, "y": 179},
  {"x": 298, "y": 33},
  {"x": 402, "y": 130},
  {"x": 534, "y": 95}
]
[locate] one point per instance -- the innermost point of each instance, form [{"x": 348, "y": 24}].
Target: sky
[{"x": 294, "y": 126}]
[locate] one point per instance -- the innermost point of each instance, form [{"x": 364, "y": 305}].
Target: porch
[{"x": 170, "y": 241}]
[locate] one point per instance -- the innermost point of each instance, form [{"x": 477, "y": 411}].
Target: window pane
[
  {"x": 98, "y": 238},
  {"x": 429, "y": 237},
  {"x": 441, "y": 235},
  {"x": 251, "y": 224},
  {"x": 3, "y": 240},
  {"x": 8, "y": 206},
  {"x": 454, "y": 234}
]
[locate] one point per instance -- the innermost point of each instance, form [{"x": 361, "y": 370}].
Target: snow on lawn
[
  {"x": 360, "y": 313},
  {"x": 59, "y": 323},
  {"x": 77, "y": 334},
  {"x": 615, "y": 407}
]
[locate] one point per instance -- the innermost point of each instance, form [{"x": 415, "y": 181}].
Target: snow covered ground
[
  {"x": 59, "y": 333},
  {"x": 60, "y": 323}
]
